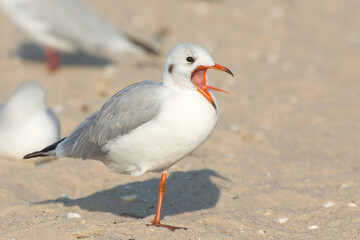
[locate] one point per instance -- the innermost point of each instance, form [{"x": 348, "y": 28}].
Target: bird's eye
[{"x": 190, "y": 59}]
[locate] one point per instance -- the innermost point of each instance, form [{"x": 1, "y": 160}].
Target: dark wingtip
[
  {"x": 43, "y": 153},
  {"x": 34, "y": 154}
]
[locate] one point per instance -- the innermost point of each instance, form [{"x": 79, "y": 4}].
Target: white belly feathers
[{"x": 185, "y": 121}]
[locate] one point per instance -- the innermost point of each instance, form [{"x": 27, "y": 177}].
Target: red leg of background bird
[
  {"x": 156, "y": 220},
  {"x": 51, "y": 59}
]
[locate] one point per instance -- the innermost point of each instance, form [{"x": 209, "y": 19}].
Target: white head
[
  {"x": 27, "y": 97},
  {"x": 185, "y": 67}
]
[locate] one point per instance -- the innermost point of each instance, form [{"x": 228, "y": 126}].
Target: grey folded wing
[
  {"x": 125, "y": 111},
  {"x": 73, "y": 21}
]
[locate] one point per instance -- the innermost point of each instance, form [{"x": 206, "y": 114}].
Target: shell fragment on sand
[
  {"x": 73, "y": 215},
  {"x": 329, "y": 204}
]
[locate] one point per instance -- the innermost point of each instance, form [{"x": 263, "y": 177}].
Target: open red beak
[{"x": 198, "y": 78}]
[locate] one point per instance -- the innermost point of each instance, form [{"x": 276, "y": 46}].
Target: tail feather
[{"x": 44, "y": 152}]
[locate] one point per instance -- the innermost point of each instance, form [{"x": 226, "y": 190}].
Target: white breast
[
  {"x": 37, "y": 130},
  {"x": 185, "y": 121}
]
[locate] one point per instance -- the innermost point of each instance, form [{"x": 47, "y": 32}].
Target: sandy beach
[{"x": 283, "y": 162}]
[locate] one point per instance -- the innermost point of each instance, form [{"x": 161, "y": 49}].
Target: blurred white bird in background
[
  {"x": 26, "y": 123},
  {"x": 69, "y": 26}
]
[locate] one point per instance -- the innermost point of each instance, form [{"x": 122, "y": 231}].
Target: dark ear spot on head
[{"x": 171, "y": 68}]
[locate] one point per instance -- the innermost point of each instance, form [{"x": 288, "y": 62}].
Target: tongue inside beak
[{"x": 198, "y": 78}]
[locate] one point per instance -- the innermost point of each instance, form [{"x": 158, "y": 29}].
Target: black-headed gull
[
  {"x": 26, "y": 123},
  {"x": 148, "y": 126},
  {"x": 69, "y": 26}
]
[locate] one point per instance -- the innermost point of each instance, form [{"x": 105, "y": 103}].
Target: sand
[{"x": 283, "y": 162}]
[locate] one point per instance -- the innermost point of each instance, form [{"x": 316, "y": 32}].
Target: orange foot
[{"x": 172, "y": 228}]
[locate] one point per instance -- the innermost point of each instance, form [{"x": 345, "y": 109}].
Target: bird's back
[{"x": 68, "y": 26}]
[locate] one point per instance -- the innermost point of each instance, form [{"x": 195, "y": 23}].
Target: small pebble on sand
[
  {"x": 64, "y": 196},
  {"x": 312, "y": 227},
  {"x": 128, "y": 198},
  {"x": 73, "y": 215},
  {"x": 328, "y": 204},
  {"x": 351, "y": 204},
  {"x": 234, "y": 128},
  {"x": 283, "y": 220}
]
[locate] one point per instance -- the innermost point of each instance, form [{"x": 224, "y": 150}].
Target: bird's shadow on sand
[
  {"x": 33, "y": 53},
  {"x": 185, "y": 192}
]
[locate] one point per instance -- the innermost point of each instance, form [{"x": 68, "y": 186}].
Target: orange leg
[
  {"x": 156, "y": 220},
  {"x": 51, "y": 59}
]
